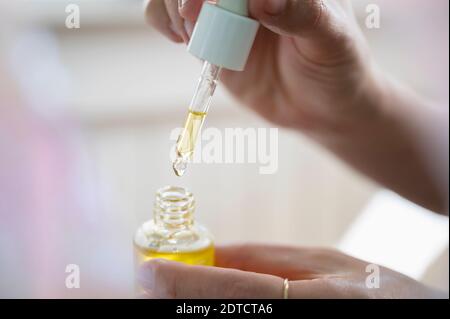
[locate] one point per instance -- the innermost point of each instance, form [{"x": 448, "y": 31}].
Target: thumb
[
  {"x": 166, "y": 279},
  {"x": 314, "y": 21}
]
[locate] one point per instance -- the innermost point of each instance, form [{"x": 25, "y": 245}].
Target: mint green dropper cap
[
  {"x": 223, "y": 34},
  {"x": 236, "y": 6}
]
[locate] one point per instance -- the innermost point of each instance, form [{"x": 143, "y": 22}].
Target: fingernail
[
  {"x": 275, "y": 7},
  {"x": 174, "y": 30},
  {"x": 189, "y": 27},
  {"x": 181, "y": 3},
  {"x": 172, "y": 27},
  {"x": 146, "y": 274}
]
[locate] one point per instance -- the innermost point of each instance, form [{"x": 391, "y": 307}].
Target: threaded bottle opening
[{"x": 174, "y": 207}]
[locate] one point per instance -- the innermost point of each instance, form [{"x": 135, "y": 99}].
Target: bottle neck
[{"x": 174, "y": 208}]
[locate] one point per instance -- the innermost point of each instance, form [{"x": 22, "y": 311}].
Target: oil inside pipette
[{"x": 187, "y": 140}]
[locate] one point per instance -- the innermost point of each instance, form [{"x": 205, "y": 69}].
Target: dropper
[{"x": 223, "y": 37}]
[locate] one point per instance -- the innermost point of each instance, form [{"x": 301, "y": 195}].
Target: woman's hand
[
  {"x": 306, "y": 69},
  {"x": 255, "y": 271},
  {"x": 310, "y": 69}
]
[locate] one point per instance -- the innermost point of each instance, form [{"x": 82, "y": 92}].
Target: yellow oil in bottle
[
  {"x": 187, "y": 141},
  {"x": 173, "y": 233},
  {"x": 203, "y": 257}
]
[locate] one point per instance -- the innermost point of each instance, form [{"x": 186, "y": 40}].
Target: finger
[
  {"x": 325, "y": 288},
  {"x": 282, "y": 261},
  {"x": 319, "y": 22},
  {"x": 292, "y": 17},
  {"x": 190, "y": 9},
  {"x": 176, "y": 19},
  {"x": 158, "y": 17},
  {"x": 167, "y": 279}
]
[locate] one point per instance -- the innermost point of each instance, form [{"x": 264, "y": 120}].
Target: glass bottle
[{"x": 173, "y": 233}]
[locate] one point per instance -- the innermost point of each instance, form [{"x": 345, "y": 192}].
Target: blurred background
[{"x": 85, "y": 122}]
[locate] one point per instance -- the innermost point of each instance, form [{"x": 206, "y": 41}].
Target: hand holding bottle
[{"x": 254, "y": 271}]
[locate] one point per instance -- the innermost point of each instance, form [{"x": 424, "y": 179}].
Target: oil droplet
[{"x": 180, "y": 166}]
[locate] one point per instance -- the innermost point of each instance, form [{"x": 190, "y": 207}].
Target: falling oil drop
[{"x": 180, "y": 166}]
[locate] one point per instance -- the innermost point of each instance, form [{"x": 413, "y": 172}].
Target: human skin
[
  {"x": 310, "y": 70},
  {"x": 258, "y": 271}
]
